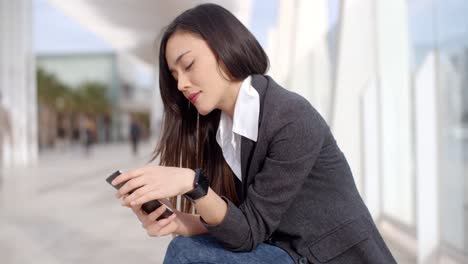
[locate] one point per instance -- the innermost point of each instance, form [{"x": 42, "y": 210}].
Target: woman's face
[{"x": 195, "y": 68}]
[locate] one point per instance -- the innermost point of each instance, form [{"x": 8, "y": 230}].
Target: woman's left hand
[{"x": 154, "y": 182}]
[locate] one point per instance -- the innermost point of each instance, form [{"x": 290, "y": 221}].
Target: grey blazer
[{"x": 298, "y": 192}]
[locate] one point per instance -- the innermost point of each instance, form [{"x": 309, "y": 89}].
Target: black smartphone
[{"x": 148, "y": 207}]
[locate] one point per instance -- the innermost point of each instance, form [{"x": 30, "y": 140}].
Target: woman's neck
[{"x": 231, "y": 98}]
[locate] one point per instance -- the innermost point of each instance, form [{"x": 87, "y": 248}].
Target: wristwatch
[{"x": 200, "y": 186}]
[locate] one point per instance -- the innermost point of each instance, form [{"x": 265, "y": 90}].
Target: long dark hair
[{"x": 187, "y": 139}]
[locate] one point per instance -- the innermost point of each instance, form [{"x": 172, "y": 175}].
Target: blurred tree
[
  {"x": 88, "y": 98},
  {"x": 62, "y": 105},
  {"x": 49, "y": 88},
  {"x": 92, "y": 98}
]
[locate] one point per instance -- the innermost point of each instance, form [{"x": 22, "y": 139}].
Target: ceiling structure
[{"x": 134, "y": 26}]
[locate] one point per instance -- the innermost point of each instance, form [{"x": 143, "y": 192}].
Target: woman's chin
[{"x": 204, "y": 111}]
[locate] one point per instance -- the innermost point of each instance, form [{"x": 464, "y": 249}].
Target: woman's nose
[{"x": 183, "y": 83}]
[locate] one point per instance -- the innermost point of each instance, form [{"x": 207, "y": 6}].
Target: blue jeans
[{"x": 204, "y": 249}]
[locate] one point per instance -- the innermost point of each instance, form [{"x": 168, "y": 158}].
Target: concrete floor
[{"x": 62, "y": 211}]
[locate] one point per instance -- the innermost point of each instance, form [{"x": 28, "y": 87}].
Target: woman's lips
[{"x": 193, "y": 97}]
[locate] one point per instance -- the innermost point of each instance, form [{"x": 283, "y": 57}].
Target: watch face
[
  {"x": 200, "y": 184},
  {"x": 196, "y": 180},
  {"x": 203, "y": 180}
]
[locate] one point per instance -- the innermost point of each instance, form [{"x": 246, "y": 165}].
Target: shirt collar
[
  {"x": 247, "y": 111},
  {"x": 246, "y": 114}
]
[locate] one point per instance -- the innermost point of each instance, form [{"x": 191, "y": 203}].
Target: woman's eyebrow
[{"x": 180, "y": 56}]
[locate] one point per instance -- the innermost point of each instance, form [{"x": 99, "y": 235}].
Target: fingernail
[{"x": 133, "y": 203}]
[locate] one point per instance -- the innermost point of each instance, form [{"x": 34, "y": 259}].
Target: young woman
[{"x": 257, "y": 162}]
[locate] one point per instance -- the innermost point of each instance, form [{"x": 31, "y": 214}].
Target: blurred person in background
[
  {"x": 5, "y": 128},
  {"x": 257, "y": 162},
  {"x": 135, "y": 133},
  {"x": 62, "y": 139},
  {"x": 107, "y": 128},
  {"x": 5, "y": 132},
  {"x": 89, "y": 132},
  {"x": 75, "y": 134}
]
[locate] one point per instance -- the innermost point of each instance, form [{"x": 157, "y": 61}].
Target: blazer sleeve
[{"x": 292, "y": 152}]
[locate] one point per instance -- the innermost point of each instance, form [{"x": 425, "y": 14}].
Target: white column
[
  {"x": 396, "y": 123},
  {"x": 310, "y": 69},
  {"x": 356, "y": 67},
  {"x": 280, "y": 43},
  {"x": 371, "y": 184},
  {"x": 18, "y": 80},
  {"x": 427, "y": 160},
  {"x": 451, "y": 172}
]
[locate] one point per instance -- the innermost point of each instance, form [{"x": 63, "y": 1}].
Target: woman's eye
[{"x": 188, "y": 67}]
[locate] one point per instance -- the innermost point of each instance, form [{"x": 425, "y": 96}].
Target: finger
[
  {"x": 131, "y": 185},
  {"x": 156, "y": 213},
  {"x": 125, "y": 204},
  {"x": 167, "y": 202},
  {"x": 169, "y": 229},
  {"x": 151, "y": 219},
  {"x": 136, "y": 209},
  {"x": 123, "y": 198},
  {"x": 142, "y": 216},
  {"x": 155, "y": 227},
  {"x": 127, "y": 176},
  {"x": 168, "y": 226},
  {"x": 166, "y": 221},
  {"x": 136, "y": 194},
  {"x": 152, "y": 229},
  {"x": 148, "y": 196}
]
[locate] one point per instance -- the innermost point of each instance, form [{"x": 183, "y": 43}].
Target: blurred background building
[{"x": 389, "y": 76}]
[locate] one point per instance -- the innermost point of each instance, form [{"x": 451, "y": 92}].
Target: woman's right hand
[{"x": 155, "y": 228}]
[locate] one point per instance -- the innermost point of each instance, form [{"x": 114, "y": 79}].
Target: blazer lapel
[
  {"x": 247, "y": 147},
  {"x": 259, "y": 82}
]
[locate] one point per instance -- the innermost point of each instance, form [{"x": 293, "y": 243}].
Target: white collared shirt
[{"x": 244, "y": 123}]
